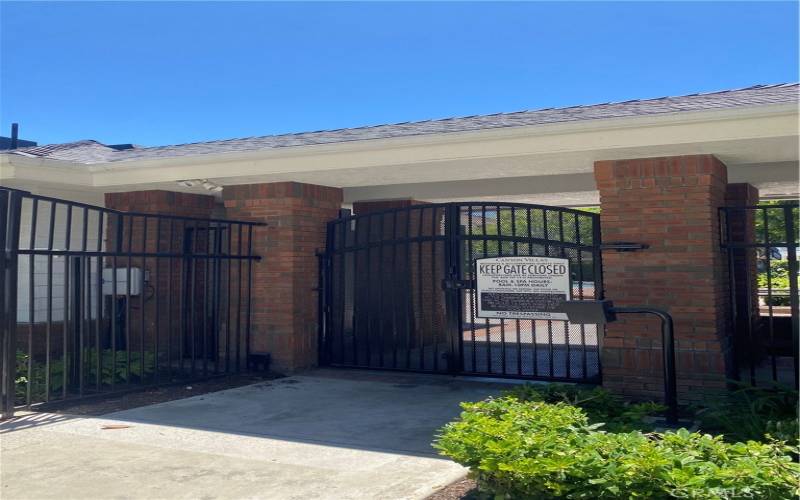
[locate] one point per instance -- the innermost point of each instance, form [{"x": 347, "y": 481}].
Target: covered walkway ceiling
[{"x": 541, "y": 156}]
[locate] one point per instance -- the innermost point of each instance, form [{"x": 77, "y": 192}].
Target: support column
[
  {"x": 284, "y": 302},
  {"x": 672, "y": 205}
]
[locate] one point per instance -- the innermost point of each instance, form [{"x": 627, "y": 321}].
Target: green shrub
[
  {"x": 600, "y": 405},
  {"x": 532, "y": 449},
  {"x": 116, "y": 370},
  {"x": 753, "y": 413}
]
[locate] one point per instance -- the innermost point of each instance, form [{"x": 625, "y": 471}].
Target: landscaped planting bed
[{"x": 559, "y": 441}]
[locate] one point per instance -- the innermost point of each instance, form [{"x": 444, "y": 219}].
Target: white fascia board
[
  {"x": 595, "y": 136},
  {"x": 16, "y": 168}
]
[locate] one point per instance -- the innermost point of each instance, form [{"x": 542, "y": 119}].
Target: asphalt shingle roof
[{"x": 89, "y": 151}]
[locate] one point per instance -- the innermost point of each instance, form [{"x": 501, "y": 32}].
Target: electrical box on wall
[{"x": 122, "y": 281}]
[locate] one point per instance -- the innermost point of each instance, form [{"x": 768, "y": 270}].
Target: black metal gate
[
  {"x": 399, "y": 291},
  {"x": 761, "y": 242},
  {"x": 96, "y": 300}
]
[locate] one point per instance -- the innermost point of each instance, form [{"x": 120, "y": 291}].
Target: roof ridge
[
  {"x": 752, "y": 96},
  {"x": 463, "y": 117}
]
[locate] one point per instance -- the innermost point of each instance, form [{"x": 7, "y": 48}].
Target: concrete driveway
[{"x": 328, "y": 434}]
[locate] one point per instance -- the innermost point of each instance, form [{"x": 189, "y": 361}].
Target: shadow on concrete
[
  {"x": 32, "y": 419},
  {"x": 365, "y": 410}
]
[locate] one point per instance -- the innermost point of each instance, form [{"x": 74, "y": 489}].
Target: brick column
[
  {"x": 741, "y": 228},
  {"x": 284, "y": 303},
  {"x": 672, "y": 205}
]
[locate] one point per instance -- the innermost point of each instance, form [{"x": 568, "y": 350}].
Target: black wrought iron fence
[
  {"x": 98, "y": 300},
  {"x": 761, "y": 242},
  {"x": 400, "y": 291}
]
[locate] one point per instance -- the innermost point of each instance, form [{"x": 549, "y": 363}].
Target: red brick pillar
[
  {"x": 284, "y": 302},
  {"x": 742, "y": 262},
  {"x": 672, "y": 205}
]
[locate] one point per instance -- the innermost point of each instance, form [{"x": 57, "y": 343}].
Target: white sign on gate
[{"x": 522, "y": 287}]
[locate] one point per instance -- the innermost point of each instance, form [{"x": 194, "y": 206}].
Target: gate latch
[
  {"x": 454, "y": 284},
  {"x": 624, "y": 246}
]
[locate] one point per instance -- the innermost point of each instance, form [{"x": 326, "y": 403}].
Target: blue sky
[{"x": 163, "y": 73}]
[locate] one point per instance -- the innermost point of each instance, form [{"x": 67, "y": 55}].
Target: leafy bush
[
  {"x": 778, "y": 279},
  {"x": 753, "y": 413},
  {"x": 600, "y": 405},
  {"x": 109, "y": 370},
  {"x": 532, "y": 449}
]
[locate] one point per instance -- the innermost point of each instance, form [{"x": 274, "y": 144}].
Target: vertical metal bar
[
  {"x": 345, "y": 225},
  {"x": 768, "y": 251},
  {"x": 580, "y": 294},
  {"x": 142, "y": 327},
  {"x": 85, "y": 265},
  {"x": 534, "y": 344},
  {"x": 229, "y": 261},
  {"x": 239, "y": 301},
  {"x": 516, "y": 252},
  {"x": 216, "y": 295},
  {"x": 66, "y": 302},
  {"x": 206, "y": 284},
  {"x": 192, "y": 297},
  {"x": 502, "y": 321},
  {"x": 434, "y": 292},
  {"x": 368, "y": 292},
  {"x": 473, "y": 294},
  {"x": 156, "y": 287},
  {"x": 128, "y": 303},
  {"x": 10, "y": 268},
  {"x": 182, "y": 290},
  {"x": 170, "y": 260},
  {"x": 409, "y": 291},
  {"x": 49, "y": 315},
  {"x": 599, "y": 291},
  {"x": 357, "y": 290},
  {"x": 452, "y": 264},
  {"x": 31, "y": 298},
  {"x": 549, "y": 322},
  {"x": 99, "y": 297},
  {"x": 249, "y": 290},
  {"x": 6, "y": 400},
  {"x": 791, "y": 240},
  {"x": 488, "y": 340},
  {"x": 114, "y": 299},
  {"x": 381, "y": 289},
  {"x": 565, "y": 324},
  {"x": 420, "y": 288},
  {"x": 393, "y": 281}
]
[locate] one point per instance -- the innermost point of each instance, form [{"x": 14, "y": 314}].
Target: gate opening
[{"x": 399, "y": 291}]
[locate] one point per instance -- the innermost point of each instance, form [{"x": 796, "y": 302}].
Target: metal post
[
  {"x": 9, "y": 267},
  {"x": 668, "y": 350},
  {"x": 788, "y": 217}
]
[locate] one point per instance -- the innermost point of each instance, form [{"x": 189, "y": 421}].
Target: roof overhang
[{"x": 738, "y": 136}]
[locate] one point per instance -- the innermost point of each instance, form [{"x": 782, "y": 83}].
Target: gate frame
[
  {"x": 453, "y": 282},
  {"x": 730, "y": 244}
]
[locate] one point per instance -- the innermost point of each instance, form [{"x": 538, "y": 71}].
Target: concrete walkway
[{"x": 329, "y": 434}]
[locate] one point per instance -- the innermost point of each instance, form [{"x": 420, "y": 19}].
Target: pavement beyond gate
[{"x": 328, "y": 434}]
